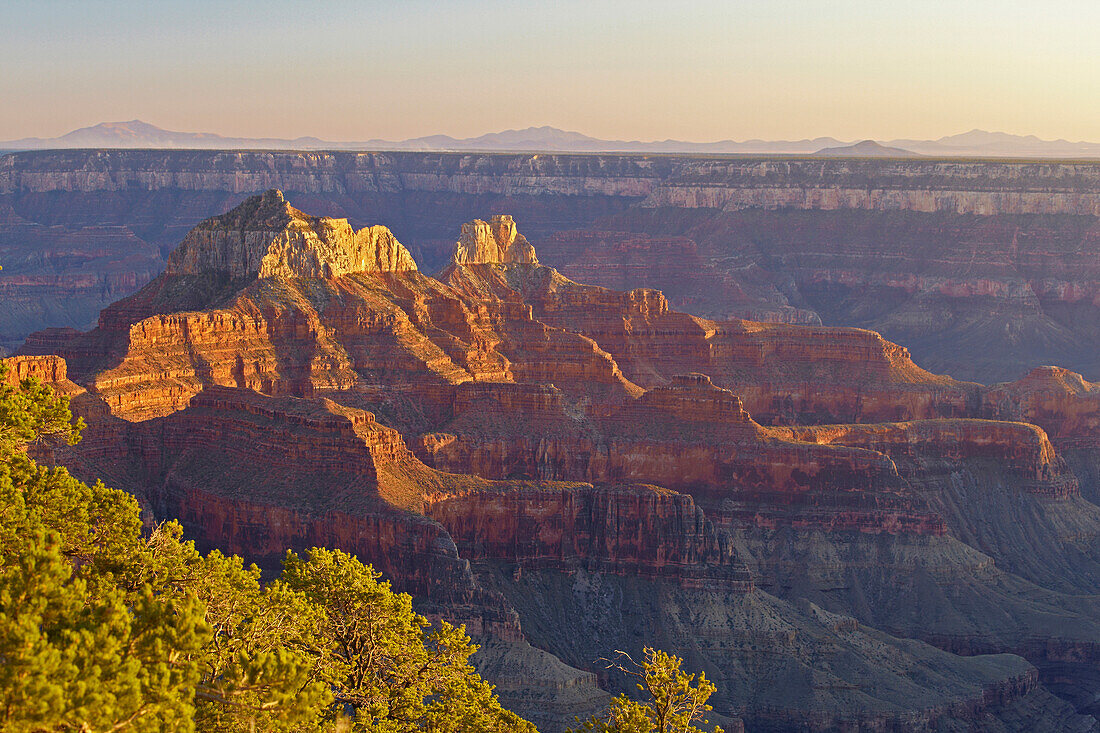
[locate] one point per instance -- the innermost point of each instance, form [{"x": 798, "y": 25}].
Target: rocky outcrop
[
  {"x": 496, "y": 242},
  {"x": 690, "y": 436},
  {"x": 540, "y": 687},
  {"x": 296, "y": 335},
  {"x": 267, "y": 237},
  {"x": 1016, "y": 447},
  {"x": 1066, "y": 406},
  {"x": 1064, "y": 403},
  {"x": 50, "y": 370},
  {"x": 782, "y": 373},
  {"x": 694, "y": 398}
]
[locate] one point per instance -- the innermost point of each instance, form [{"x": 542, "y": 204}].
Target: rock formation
[
  {"x": 1064, "y": 403},
  {"x": 496, "y": 242},
  {"x": 51, "y": 370},
  {"x": 691, "y": 436},
  {"x": 1066, "y": 406},
  {"x": 267, "y": 237},
  {"x": 978, "y": 187},
  {"x": 982, "y": 297}
]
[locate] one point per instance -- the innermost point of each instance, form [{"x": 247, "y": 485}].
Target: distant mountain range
[{"x": 976, "y": 143}]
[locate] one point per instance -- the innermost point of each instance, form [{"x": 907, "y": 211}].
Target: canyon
[
  {"x": 984, "y": 269},
  {"x": 841, "y": 538}
]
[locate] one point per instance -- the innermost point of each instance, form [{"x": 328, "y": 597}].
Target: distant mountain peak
[
  {"x": 866, "y": 149},
  {"x": 132, "y": 124}
]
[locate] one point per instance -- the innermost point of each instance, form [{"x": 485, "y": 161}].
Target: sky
[{"x": 637, "y": 70}]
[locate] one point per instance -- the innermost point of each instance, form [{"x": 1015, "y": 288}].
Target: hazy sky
[{"x": 634, "y": 69}]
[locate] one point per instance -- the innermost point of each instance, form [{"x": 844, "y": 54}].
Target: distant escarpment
[
  {"x": 979, "y": 187},
  {"x": 587, "y": 469}
]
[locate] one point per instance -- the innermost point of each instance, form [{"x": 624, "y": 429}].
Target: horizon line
[{"x": 549, "y": 127}]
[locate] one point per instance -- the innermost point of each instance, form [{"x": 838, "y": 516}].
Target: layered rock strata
[
  {"x": 51, "y": 370},
  {"x": 982, "y": 297},
  {"x": 1064, "y": 403},
  {"x": 612, "y": 530},
  {"x": 319, "y": 467},
  {"x": 691, "y": 436},
  {"x": 1018, "y": 448},
  {"x": 984, "y": 269},
  {"x": 977, "y": 187}
]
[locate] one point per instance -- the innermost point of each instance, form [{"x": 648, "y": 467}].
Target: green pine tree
[
  {"x": 107, "y": 627},
  {"x": 673, "y": 701}
]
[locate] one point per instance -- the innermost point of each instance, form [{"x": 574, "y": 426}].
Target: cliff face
[
  {"x": 690, "y": 436},
  {"x": 782, "y": 373},
  {"x": 1018, "y": 448},
  {"x": 1065, "y": 404},
  {"x": 323, "y": 473},
  {"x": 922, "y": 185},
  {"x": 51, "y": 370},
  {"x": 612, "y": 530}
]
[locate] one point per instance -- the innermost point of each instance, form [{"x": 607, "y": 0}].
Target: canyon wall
[
  {"x": 978, "y": 187},
  {"x": 982, "y": 297}
]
